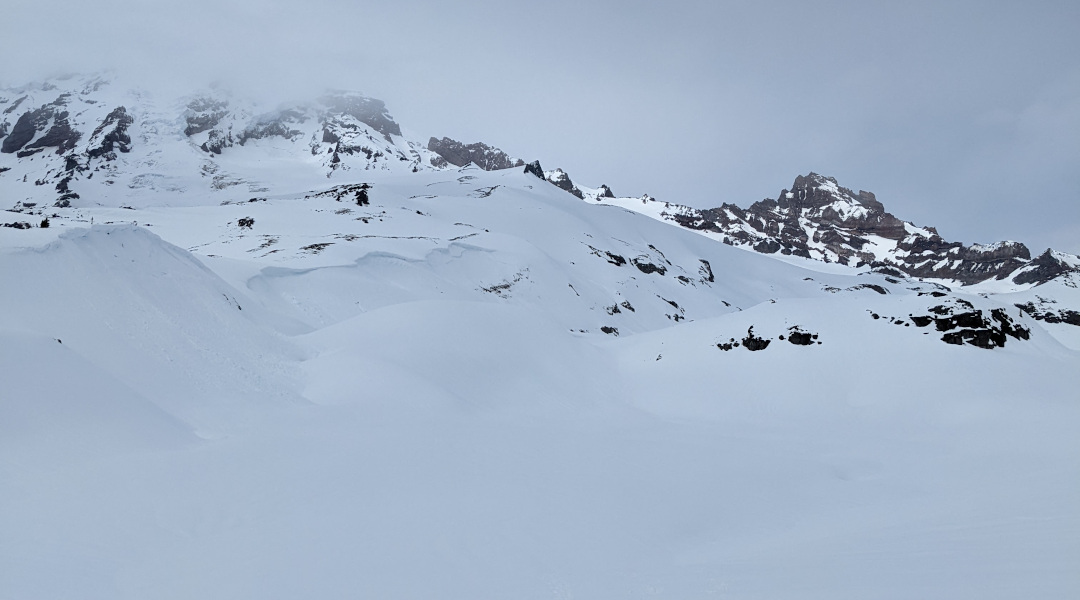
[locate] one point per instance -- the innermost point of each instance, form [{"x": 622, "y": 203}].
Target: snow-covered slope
[{"x": 466, "y": 383}]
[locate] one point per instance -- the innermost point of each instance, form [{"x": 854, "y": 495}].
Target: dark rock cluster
[
  {"x": 368, "y": 111},
  {"x": 961, "y": 323},
  {"x": 111, "y": 134},
  {"x": 754, "y": 343},
  {"x": 534, "y": 168},
  {"x": 1043, "y": 311},
  {"x": 204, "y": 114},
  {"x": 49, "y": 120},
  {"x": 796, "y": 336},
  {"x": 646, "y": 267},
  {"x": 1043, "y": 268},
  {"x": 458, "y": 154},
  {"x": 358, "y": 192},
  {"x": 276, "y": 125},
  {"x": 561, "y": 180}
]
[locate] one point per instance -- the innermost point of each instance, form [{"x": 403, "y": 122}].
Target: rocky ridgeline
[
  {"x": 489, "y": 158},
  {"x": 61, "y": 133},
  {"x": 453, "y": 152},
  {"x": 817, "y": 219},
  {"x": 820, "y": 220}
]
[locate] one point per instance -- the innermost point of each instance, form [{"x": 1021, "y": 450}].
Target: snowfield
[{"x": 480, "y": 386}]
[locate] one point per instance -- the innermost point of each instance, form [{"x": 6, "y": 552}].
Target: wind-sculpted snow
[
  {"x": 59, "y": 403},
  {"x": 148, "y": 314},
  {"x": 235, "y": 375}
]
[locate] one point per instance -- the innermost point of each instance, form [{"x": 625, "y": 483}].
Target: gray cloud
[{"x": 964, "y": 115}]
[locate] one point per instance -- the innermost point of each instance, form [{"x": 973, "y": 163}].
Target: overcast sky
[{"x": 960, "y": 114}]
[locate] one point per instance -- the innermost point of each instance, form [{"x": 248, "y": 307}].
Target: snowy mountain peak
[
  {"x": 74, "y": 138},
  {"x": 818, "y": 219}
]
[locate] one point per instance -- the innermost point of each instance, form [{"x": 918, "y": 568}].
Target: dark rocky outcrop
[
  {"x": 754, "y": 343},
  {"x": 1042, "y": 269},
  {"x": 535, "y": 168},
  {"x": 615, "y": 259},
  {"x": 113, "y": 135},
  {"x": 933, "y": 257},
  {"x": 647, "y": 267},
  {"x": 14, "y": 105},
  {"x": 705, "y": 270},
  {"x": 52, "y": 119},
  {"x": 368, "y": 111},
  {"x": 1048, "y": 314},
  {"x": 962, "y": 324},
  {"x": 486, "y": 157},
  {"x": 26, "y": 127},
  {"x": 358, "y": 192},
  {"x": 799, "y": 337},
  {"x": 276, "y": 125},
  {"x": 217, "y": 141},
  {"x": 204, "y": 114},
  {"x": 60, "y": 136},
  {"x": 561, "y": 180},
  {"x": 65, "y": 194}
]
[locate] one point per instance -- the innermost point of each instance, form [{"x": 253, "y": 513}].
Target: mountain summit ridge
[
  {"x": 820, "y": 220},
  {"x": 56, "y": 136}
]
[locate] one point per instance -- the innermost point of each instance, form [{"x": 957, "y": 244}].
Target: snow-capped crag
[
  {"x": 253, "y": 351},
  {"x": 818, "y": 219},
  {"x": 488, "y": 158},
  {"x": 78, "y": 136}
]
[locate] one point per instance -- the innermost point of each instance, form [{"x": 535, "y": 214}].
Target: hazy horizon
[{"x": 955, "y": 116}]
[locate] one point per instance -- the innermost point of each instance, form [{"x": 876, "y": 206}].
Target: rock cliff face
[
  {"x": 488, "y": 158},
  {"x": 39, "y": 128}
]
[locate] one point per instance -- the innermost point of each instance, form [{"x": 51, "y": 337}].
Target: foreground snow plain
[{"x": 427, "y": 407}]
